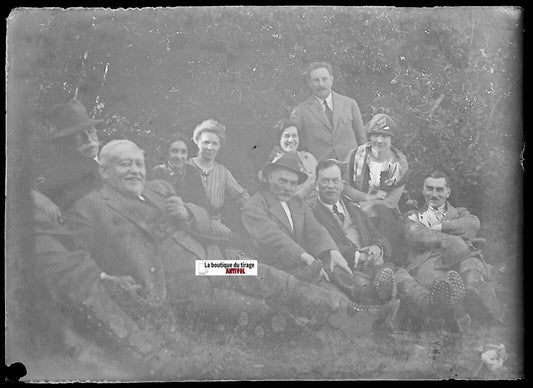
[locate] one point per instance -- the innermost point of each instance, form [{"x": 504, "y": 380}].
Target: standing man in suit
[{"x": 331, "y": 124}]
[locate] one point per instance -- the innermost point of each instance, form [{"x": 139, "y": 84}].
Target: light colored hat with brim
[
  {"x": 289, "y": 161},
  {"x": 70, "y": 118},
  {"x": 381, "y": 123}
]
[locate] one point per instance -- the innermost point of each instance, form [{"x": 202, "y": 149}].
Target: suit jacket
[
  {"x": 321, "y": 138},
  {"x": 122, "y": 243},
  {"x": 267, "y": 223},
  {"x": 71, "y": 295},
  {"x": 424, "y": 242},
  {"x": 368, "y": 233},
  {"x": 69, "y": 179}
]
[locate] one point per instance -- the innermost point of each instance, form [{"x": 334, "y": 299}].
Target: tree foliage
[{"x": 451, "y": 77}]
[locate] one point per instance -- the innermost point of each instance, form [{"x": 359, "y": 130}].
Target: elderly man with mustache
[
  {"x": 146, "y": 240},
  {"x": 289, "y": 237}
]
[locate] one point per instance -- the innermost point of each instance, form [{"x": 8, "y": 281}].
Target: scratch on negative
[{"x": 522, "y": 157}]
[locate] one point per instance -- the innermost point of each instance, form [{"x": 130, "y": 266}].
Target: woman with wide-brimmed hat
[
  {"x": 376, "y": 175},
  {"x": 73, "y": 171}
]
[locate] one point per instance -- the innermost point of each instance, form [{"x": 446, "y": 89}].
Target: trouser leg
[
  {"x": 318, "y": 303},
  {"x": 388, "y": 222},
  {"x": 444, "y": 300},
  {"x": 473, "y": 270},
  {"x": 212, "y": 300},
  {"x": 368, "y": 285},
  {"x": 310, "y": 303},
  {"x": 279, "y": 288},
  {"x": 358, "y": 287},
  {"x": 426, "y": 274},
  {"x": 411, "y": 292},
  {"x": 153, "y": 351},
  {"x": 481, "y": 300}
]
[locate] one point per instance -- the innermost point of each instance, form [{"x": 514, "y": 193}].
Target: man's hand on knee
[{"x": 336, "y": 259}]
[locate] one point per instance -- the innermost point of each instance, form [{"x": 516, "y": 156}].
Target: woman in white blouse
[{"x": 376, "y": 175}]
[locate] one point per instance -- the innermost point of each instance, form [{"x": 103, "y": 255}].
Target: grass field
[{"x": 233, "y": 354}]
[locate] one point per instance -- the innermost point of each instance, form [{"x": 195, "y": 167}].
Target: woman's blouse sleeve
[
  {"x": 393, "y": 197},
  {"x": 309, "y": 162},
  {"x": 235, "y": 189}
]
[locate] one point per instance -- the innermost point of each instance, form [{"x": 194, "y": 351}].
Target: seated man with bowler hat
[
  {"x": 442, "y": 237},
  {"x": 287, "y": 234},
  {"x": 73, "y": 171}
]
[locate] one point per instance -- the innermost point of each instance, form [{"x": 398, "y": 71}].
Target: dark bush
[{"x": 450, "y": 76}]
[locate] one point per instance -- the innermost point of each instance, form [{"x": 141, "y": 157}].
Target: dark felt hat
[
  {"x": 381, "y": 123},
  {"x": 70, "y": 118},
  {"x": 289, "y": 161}
]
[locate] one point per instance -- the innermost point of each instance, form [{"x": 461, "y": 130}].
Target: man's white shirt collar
[
  {"x": 430, "y": 217},
  {"x": 287, "y": 212},
  {"x": 439, "y": 209},
  {"x": 340, "y": 207},
  {"x": 328, "y": 99}
]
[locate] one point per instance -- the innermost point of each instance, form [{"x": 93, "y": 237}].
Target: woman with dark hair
[
  {"x": 178, "y": 171},
  {"x": 289, "y": 140},
  {"x": 376, "y": 177},
  {"x": 73, "y": 172},
  {"x": 177, "y": 153}
]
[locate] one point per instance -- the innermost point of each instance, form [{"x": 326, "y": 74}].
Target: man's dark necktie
[
  {"x": 329, "y": 113},
  {"x": 338, "y": 213}
]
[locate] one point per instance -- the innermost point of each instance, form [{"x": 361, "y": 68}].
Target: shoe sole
[
  {"x": 386, "y": 285},
  {"x": 458, "y": 287},
  {"x": 441, "y": 294}
]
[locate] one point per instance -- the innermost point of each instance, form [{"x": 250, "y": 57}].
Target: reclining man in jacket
[
  {"x": 289, "y": 237},
  {"x": 368, "y": 252},
  {"x": 109, "y": 335},
  {"x": 441, "y": 238},
  {"x": 141, "y": 234}
]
